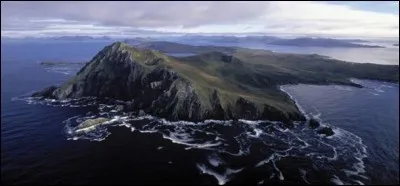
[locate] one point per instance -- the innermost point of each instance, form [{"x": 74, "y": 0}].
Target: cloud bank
[{"x": 137, "y": 18}]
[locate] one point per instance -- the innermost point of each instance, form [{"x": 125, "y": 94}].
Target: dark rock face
[
  {"x": 246, "y": 109},
  {"x": 326, "y": 130},
  {"x": 141, "y": 77},
  {"x": 232, "y": 60},
  {"x": 45, "y": 93},
  {"x": 219, "y": 56},
  {"x": 178, "y": 102},
  {"x": 218, "y": 110},
  {"x": 275, "y": 114},
  {"x": 160, "y": 91},
  {"x": 313, "y": 123}
]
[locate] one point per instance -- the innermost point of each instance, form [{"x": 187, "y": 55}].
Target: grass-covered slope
[{"x": 291, "y": 68}]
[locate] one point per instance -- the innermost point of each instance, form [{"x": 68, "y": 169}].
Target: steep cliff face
[{"x": 165, "y": 87}]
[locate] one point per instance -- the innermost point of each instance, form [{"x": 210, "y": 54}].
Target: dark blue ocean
[{"x": 40, "y": 143}]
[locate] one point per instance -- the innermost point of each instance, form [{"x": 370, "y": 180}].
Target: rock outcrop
[
  {"x": 91, "y": 124},
  {"x": 313, "y": 123},
  {"x": 326, "y": 130}
]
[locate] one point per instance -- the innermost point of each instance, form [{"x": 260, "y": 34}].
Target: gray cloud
[
  {"x": 74, "y": 17},
  {"x": 137, "y": 14}
]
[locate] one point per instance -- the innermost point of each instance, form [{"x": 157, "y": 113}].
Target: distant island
[
  {"x": 396, "y": 44},
  {"x": 218, "y": 83},
  {"x": 321, "y": 42},
  {"x": 272, "y": 40},
  {"x": 55, "y": 63}
]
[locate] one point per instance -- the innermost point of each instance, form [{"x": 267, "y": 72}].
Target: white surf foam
[
  {"x": 359, "y": 182},
  {"x": 301, "y": 109},
  {"x": 378, "y": 90},
  {"x": 271, "y": 176},
  {"x": 147, "y": 131},
  {"x": 279, "y": 171},
  {"x": 257, "y": 132},
  {"x": 222, "y": 179},
  {"x": 270, "y": 158},
  {"x": 210, "y": 121},
  {"x": 86, "y": 129},
  {"x": 345, "y": 88},
  {"x": 303, "y": 174},
  {"x": 251, "y": 122},
  {"x": 387, "y": 86},
  {"x": 215, "y": 160},
  {"x": 299, "y": 140},
  {"x": 336, "y": 180}
]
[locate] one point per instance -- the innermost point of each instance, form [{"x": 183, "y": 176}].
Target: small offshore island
[
  {"x": 57, "y": 63},
  {"x": 219, "y": 83}
]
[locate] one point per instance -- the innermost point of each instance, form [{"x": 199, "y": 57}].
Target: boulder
[
  {"x": 313, "y": 123},
  {"x": 45, "y": 93},
  {"x": 326, "y": 130},
  {"x": 91, "y": 123}
]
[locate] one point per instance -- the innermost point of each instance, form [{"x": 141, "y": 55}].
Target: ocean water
[{"x": 40, "y": 141}]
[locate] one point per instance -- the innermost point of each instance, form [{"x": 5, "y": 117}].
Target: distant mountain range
[
  {"x": 268, "y": 40},
  {"x": 271, "y": 40},
  {"x": 187, "y": 39},
  {"x": 322, "y": 42}
]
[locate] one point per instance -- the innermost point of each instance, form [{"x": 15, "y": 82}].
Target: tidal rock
[
  {"x": 313, "y": 123},
  {"x": 326, "y": 130},
  {"x": 45, "y": 93},
  {"x": 141, "y": 113},
  {"x": 90, "y": 124}
]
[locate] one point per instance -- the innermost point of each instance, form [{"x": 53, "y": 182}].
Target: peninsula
[{"x": 216, "y": 83}]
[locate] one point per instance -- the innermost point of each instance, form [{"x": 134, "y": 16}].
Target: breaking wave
[
  {"x": 259, "y": 145},
  {"x": 373, "y": 87},
  {"x": 345, "y": 88}
]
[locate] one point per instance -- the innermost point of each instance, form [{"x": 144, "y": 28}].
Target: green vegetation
[{"x": 260, "y": 72}]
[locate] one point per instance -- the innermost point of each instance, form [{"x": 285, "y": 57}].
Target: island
[
  {"x": 396, "y": 44},
  {"x": 217, "y": 83},
  {"x": 57, "y": 63},
  {"x": 322, "y": 42}
]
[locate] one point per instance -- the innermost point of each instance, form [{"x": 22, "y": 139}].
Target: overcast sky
[{"x": 347, "y": 19}]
